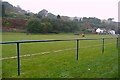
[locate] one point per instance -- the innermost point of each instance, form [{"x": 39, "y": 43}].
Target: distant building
[
  {"x": 104, "y": 31},
  {"x": 100, "y": 30},
  {"x": 112, "y": 32}
]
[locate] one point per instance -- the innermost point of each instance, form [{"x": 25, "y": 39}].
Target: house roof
[{"x": 101, "y": 28}]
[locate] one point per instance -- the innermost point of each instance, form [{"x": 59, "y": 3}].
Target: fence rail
[
  {"x": 29, "y": 41},
  {"x": 75, "y": 39}
]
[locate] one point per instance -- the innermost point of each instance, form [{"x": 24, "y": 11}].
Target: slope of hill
[{"x": 11, "y": 11}]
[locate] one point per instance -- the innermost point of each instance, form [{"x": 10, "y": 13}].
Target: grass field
[{"x": 60, "y": 58}]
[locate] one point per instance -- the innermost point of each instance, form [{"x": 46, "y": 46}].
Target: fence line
[
  {"x": 13, "y": 57},
  {"x": 76, "y": 39},
  {"x": 30, "y": 41}
]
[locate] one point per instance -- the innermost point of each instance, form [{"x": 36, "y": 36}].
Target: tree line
[
  {"x": 58, "y": 25},
  {"x": 46, "y": 22}
]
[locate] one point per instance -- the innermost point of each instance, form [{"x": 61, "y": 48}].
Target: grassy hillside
[{"x": 58, "y": 59}]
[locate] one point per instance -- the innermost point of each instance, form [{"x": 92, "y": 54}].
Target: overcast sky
[{"x": 102, "y": 9}]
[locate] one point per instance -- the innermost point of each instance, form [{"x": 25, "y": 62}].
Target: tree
[
  {"x": 51, "y": 16},
  {"x": 42, "y": 14},
  {"x": 76, "y": 19},
  {"x": 34, "y": 26},
  {"x": 58, "y": 17},
  {"x": 110, "y": 19},
  {"x": 46, "y": 27}
]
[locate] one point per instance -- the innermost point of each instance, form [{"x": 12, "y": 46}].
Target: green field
[{"x": 60, "y": 58}]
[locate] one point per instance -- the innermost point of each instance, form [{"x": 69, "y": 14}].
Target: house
[
  {"x": 112, "y": 32},
  {"x": 100, "y": 30}
]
